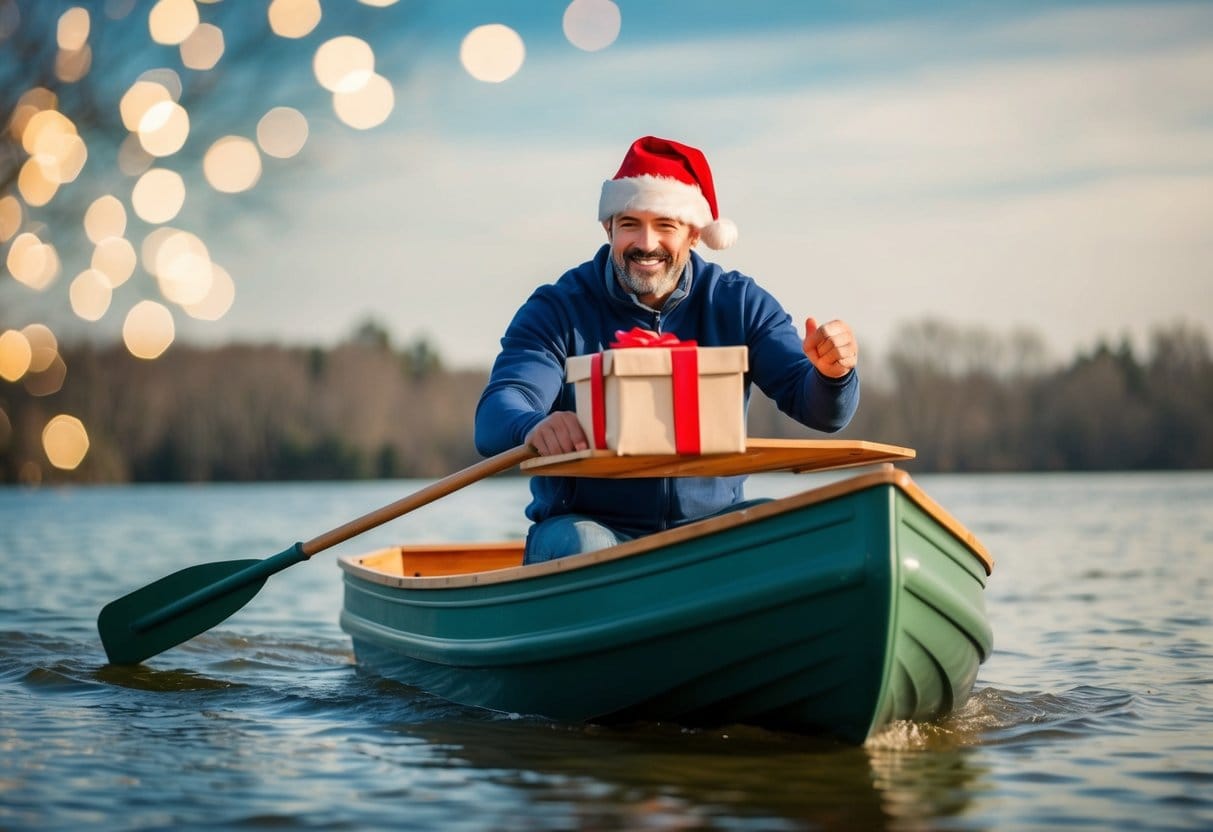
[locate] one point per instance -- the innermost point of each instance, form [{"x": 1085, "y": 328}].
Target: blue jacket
[{"x": 580, "y": 314}]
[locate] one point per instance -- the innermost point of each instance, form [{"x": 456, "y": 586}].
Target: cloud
[{"x": 1049, "y": 169}]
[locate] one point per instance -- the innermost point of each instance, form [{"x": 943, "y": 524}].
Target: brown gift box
[{"x": 636, "y": 405}]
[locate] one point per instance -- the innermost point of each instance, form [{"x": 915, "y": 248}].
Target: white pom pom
[{"x": 720, "y": 234}]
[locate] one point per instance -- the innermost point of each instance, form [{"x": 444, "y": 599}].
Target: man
[{"x": 659, "y": 205}]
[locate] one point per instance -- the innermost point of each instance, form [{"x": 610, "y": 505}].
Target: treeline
[
  {"x": 251, "y": 412},
  {"x": 970, "y": 400},
  {"x": 966, "y": 399}
]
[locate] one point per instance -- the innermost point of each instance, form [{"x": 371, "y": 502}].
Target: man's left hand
[{"x": 831, "y": 347}]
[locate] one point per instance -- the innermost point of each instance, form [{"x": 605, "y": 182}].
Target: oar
[{"x": 180, "y": 606}]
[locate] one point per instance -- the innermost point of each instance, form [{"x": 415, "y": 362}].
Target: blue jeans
[
  {"x": 569, "y": 534},
  {"x": 572, "y": 534}
]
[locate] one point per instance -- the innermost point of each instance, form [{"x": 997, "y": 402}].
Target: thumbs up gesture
[{"x": 831, "y": 347}]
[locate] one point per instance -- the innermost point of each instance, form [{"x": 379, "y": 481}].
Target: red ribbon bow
[
  {"x": 685, "y": 378},
  {"x": 637, "y": 337}
]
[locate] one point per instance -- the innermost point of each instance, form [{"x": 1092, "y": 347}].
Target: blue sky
[{"x": 1017, "y": 164}]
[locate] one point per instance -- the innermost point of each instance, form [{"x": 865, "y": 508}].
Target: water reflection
[
  {"x": 142, "y": 677},
  {"x": 661, "y": 776}
]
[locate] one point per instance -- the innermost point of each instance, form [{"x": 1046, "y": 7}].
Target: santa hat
[{"x": 670, "y": 179}]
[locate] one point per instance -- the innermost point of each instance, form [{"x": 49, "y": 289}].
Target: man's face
[{"x": 650, "y": 252}]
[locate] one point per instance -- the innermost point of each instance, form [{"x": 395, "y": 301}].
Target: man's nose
[{"x": 649, "y": 238}]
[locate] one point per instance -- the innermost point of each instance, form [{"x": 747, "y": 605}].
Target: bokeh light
[
  {"x": 232, "y": 164},
  {"x": 368, "y": 106},
  {"x": 219, "y": 297},
  {"x": 148, "y": 330},
  {"x": 492, "y": 53},
  {"x": 165, "y": 77},
  {"x": 90, "y": 295},
  {"x": 35, "y": 186},
  {"x": 137, "y": 100},
  {"x": 11, "y": 217},
  {"x": 132, "y": 158},
  {"x": 44, "y": 347},
  {"x": 70, "y": 67},
  {"x": 62, "y": 157},
  {"x": 164, "y": 128},
  {"x": 15, "y": 355},
  {"x": 31, "y": 102},
  {"x": 65, "y": 442},
  {"x": 293, "y": 18},
  {"x": 344, "y": 64},
  {"x": 46, "y": 368},
  {"x": 591, "y": 24},
  {"x": 172, "y": 21},
  {"x": 57, "y": 155},
  {"x": 32, "y": 262},
  {"x": 73, "y": 28},
  {"x": 115, "y": 258},
  {"x": 48, "y": 381},
  {"x": 149, "y": 250},
  {"x": 158, "y": 195},
  {"x": 282, "y": 132},
  {"x": 203, "y": 48},
  {"x": 43, "y": 126},
  {"x": 105, "y": 217},
  {"x": 182, "y": 266}
]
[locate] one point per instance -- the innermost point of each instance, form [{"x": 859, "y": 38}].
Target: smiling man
[{"x": 657, "y": 208}]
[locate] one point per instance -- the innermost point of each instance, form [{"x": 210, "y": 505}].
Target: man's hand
[
  {"x": 558, "y": 433},
  {"x": 831, "y": 347}
]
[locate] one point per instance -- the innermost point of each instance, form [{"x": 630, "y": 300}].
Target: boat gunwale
[{"x": 888, "y": 475}]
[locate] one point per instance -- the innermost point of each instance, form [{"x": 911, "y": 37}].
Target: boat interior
[{"x": 430, "y": 560}]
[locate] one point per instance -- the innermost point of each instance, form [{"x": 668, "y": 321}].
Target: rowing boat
[{"x": 834, "y": 611}]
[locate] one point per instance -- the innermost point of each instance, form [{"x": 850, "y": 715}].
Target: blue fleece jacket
[{"x": 580, "y": 314}]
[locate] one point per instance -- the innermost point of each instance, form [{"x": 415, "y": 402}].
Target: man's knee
[{"x": 568, "y": 534}]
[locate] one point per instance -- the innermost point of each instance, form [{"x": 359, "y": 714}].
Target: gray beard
[{"x": 660, "y": 285}]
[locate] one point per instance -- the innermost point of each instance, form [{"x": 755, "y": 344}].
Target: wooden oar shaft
[{"x": 429, "y": 494}]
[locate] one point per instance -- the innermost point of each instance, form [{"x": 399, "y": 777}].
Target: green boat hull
[{"x": 832, "y": 613}]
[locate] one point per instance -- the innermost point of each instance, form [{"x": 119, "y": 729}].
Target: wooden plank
[{"x": 760, "y": 455}]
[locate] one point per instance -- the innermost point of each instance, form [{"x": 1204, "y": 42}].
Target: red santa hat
[{"x": 670, "y": 179}]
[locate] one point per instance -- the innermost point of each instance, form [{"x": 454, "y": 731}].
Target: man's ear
[
  {"x": 606, "y": 226},
  {"x": 694, "y": 237}
]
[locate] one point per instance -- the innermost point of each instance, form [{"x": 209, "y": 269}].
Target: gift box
[{"x": 655, "y": 394}]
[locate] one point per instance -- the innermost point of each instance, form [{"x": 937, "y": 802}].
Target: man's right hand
[{"x": 558, "y": 433}]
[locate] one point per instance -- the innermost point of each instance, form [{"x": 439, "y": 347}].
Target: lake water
[{"x": 1095, "y": 711}]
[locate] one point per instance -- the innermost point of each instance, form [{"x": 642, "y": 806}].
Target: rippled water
[{"x": 1094, "y": 711}]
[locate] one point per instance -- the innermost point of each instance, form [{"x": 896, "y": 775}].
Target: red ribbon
[
  {"x": 685, "y": 367},
  {"x": 637, "y": 337},
  {"x": 598, "y": 401}
]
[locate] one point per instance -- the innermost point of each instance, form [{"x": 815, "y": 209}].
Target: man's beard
[{"x": 660, "y": 284}]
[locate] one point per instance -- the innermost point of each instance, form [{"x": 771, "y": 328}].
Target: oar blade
[{"x": 126, "y": 642}]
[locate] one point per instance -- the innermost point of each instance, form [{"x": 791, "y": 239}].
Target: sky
[{"x": 1005, "y": 165}]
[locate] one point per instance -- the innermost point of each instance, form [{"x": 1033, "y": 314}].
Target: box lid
[{"x": 656, "y": 361}]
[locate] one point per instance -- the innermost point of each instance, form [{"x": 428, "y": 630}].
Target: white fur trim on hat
[{"x": 659, "y": 194}]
